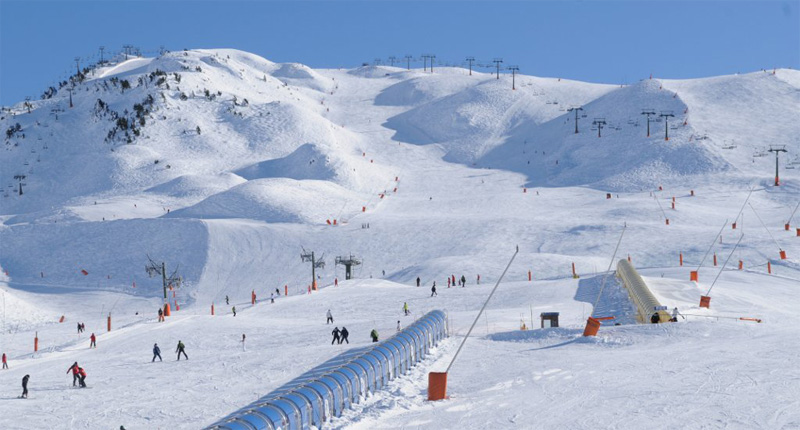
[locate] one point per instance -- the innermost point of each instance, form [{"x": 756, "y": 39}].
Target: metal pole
[
  {"x": 481, "y": 311},
  {"x": 164, "y": 279}
]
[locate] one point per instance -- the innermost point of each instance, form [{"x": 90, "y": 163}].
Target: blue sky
[{"x": 596, "y": 41}]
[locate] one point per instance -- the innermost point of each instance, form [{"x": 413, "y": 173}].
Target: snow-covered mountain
[{"x": 226, "y": 166}]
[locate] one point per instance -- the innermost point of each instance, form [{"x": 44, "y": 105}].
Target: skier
[
  {"x": 234, "y": 311},
  {"x": 335, "y": 334},
  {"x": 418, "y": 281},
  {"x": 74, "y": 368},
  {"x": 433, "y": 289},
  {"x": 405, "y": 308},
  {"x": 79, "y": 328},
  {"x": 25, "y": 387},
  {"x": 227, "y": 300},
  {"x": 479, "y": 279},
  {"x": 655, "y": 318},
  {"x": 272, "y": 297},
  {"x": 156, "y": 353},
  {"x": 675, "y": 314},
  {"x": 277, "y": 292},
  {"x": 5, "y": 363},
  {"x": 180, "y": 350},
  {"x": 330, "y": 317},
  {"x": 160, "y": 315},
  {"x": 463, "y": 281},
  {"x": 243, "y": 338},
  {"x": 82, "y": 377},
  {"x": 345, "y": 334},
  {"x": 92, "y": 341},
  {"x": 399, "y": 327},
  {"x": 374, "y": 335},
  {"x": 454, "y": 280}
]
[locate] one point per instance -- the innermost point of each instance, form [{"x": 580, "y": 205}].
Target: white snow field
[{"x": 419, "y": 175}]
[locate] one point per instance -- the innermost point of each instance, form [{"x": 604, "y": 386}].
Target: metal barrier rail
[
  {"x": 640, "y": 295},
  {"x": 312, "y": 400}
]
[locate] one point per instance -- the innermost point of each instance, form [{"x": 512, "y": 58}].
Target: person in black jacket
[
  {"x": 345, "y": 333},
  {"x": 25, "y": 386},
  {"x": 335, "y": 334},
  {"x": 418, "y": 281},
  {"x": 433, "y": 289},
  {"x": 157, "y": 353}
]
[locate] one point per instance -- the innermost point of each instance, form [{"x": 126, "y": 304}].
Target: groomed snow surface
[{"x": 426, "y": 175}]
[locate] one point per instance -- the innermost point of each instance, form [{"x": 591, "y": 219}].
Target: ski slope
[{"x": 426, "y": 175}]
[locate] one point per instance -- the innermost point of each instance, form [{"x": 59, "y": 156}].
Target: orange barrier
[
  {"x": 693, "y": 275},
  {"x": 314, "y": 285},
  {"x": 705, "y": 301},
  {"x": 715, "y": 259},
  {"x": 285, "y": 290},
  {"x": 167, "y": 312},
  {"x": 437, "y": 386},
  {"x": 673, "y": 205},
  {"x": 212, "y": 309},
  {"x": 363, "y": 208},
  {"x": 109, "y": 322},
  {"x": 84, "y": 272},
  {"x": 741, "y": 264},
  {"x": 328, "y": 221},
  {"x": 177, "y": 306},
  {"x": 798, "y": 231},
  {"x": 783, "y": 255},
  {"x": 61, "y": 320},
  {"x": 769, "y": 267},
  {"x": 253, "y": 297},
  {"x": 680, "y": 258},
  {"x": 667, "y": 221},
  {"x": 786, "y": 226},
  {"x": 592, "y": 326},
  {"x": 529, "y": 275},
  {"x": 36, "y": 342},
  {"x": 733, "y": 226},
  {"x": 574, "y": 274},
  {"x": 334, "y": 222}
]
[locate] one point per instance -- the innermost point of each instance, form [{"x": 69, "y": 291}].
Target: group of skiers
[
  {"x": 451, "y": 280},
  {"x": 81, "y": 327},
  {"x": 342, "y": 335},
  {"x": 78, "y": 376}
]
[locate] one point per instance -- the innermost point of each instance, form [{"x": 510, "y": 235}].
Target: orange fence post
[
  {"x": 212, "y": 309},
  {"x": 733, "y": 226},
  {"x": 667, "y": 221},
  {"x": 680, "y": 258},
  {"x": 109, "y": 322},
  {"x": 629, "y": 257},
  {"x": 786, "y": 226},
  {"x": 693, "y": 275},
  {"x": 798, "y": 231},
  {"x": 715, "y": 258},
  {"x": 363, "y": 208},
  {"x": 253, "y": 297},
  {"x": 61, "y": 320},
  {"x": 167, "y": 312},
  {"x": 36, "y": 342},
  {"x": 574, "y": 274},
  {"x": 705, "y": 301},
  {"x": 285, "y": 290},
  {"x": 529, "y": 275},
  {"x": 437, "y": 386},
  {"x": 769, "y": 267},
  {"x": 673, "y": 205},
  {"x": 592, "y": 326},
  {"x": 783, "y": 255}
]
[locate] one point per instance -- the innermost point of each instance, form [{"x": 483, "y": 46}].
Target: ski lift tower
[
  {"x": 309, "y": 256},
  {"x": 599, "y": 123},
  {"x": 666, "y": 114},
  {"x": 576, "y": 109},
  {"x": 20, "y": 178},
  {"x": 648, "y": 112},
  {"x": 776, "y": 149},
  {"x": 153, "y": 269},
  {"x": 348, "y": 263}
]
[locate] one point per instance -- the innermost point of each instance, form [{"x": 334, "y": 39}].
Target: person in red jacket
[
  {"x": 93, "y": 341},
  {"x": 5, "y": 363},
  {"x": 74, "y": 368},
  {"x": 82, "y": 377}
]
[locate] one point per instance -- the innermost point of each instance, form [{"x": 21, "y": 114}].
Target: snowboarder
[
  {"x": 463, "y": 281},
  {"x": 82, "y": 377},
  {"x": 160, "y": 315},
  {"x": 5, "y": 362},
  {"x": 25, "y": 387},
  {"x": 227, "y": 300},
  {"x": 374, "y": 335},
  {"x": 330, "y": 317},
  {"x": 399, "y": 327},
  {"x": 433, "y": 289},
  {"x": 156, "y": 353},
  {"x": 675, "y": 314},
  {"x": 405, "y": 308},
  {"x": 234, "y": 311},
  {"x": 655, "y": 318},
  {"x": 74, "y": 369},
  {"x": 180, "y": 350},
  {"x": 92, "y": 341},
  {"x": 336, "y": 337},
  {"x": 345, "y": 334},
  {"x": 418, "y": 281}
]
